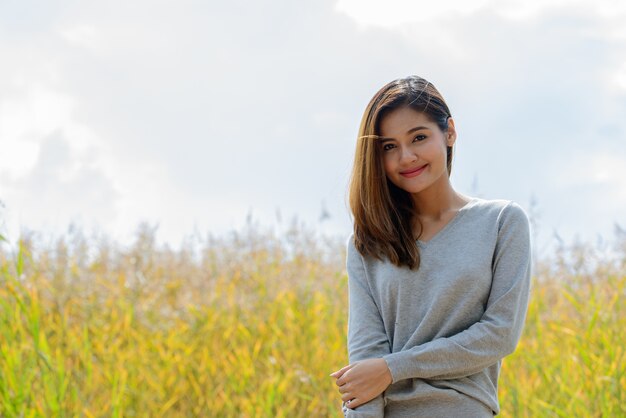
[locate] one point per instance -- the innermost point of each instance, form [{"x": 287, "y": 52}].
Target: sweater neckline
[{"x": 459, "y": 214}]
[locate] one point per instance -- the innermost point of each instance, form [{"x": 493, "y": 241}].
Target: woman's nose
[{"x": 408, "y": 155}]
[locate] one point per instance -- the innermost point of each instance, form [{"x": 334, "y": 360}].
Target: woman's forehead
[{"x": 403, "y": 121}]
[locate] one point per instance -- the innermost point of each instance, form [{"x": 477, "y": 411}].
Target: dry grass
[{"x": 251, "y": 324}]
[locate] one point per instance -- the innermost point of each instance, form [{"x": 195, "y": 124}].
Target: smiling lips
[{"x": 413, "y": 172}]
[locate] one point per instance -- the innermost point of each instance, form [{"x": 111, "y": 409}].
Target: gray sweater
[{"x": 444, "y": 329}]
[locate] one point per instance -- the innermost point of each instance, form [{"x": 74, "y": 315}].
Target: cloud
[
  {"x": 61, "y": 186},
  {"x": 197, "y": 113},
  {"x": 394, "y": 13}
]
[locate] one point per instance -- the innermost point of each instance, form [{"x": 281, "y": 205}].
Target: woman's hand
[{"x": 362, "y": 381}]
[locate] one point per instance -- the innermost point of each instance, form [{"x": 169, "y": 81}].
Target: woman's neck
[{"x": 434, "y": 204}]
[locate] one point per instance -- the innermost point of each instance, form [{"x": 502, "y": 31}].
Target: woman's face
[{"x": 414, "y": 149}]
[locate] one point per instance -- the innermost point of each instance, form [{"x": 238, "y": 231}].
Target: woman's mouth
[{"x": 413, "y": 172}]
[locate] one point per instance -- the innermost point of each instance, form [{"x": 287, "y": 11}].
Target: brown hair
[{"x": 382, "y": 212}]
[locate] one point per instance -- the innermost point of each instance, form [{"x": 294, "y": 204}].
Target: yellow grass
[{"x": 251, "y": 324}]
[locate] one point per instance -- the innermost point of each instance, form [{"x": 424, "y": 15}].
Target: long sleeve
[
  {"x": 366, "y": 332},
  {"x": 497, "y": 333}
]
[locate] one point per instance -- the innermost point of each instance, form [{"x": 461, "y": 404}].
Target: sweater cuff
[
  {"x": 375, "y": 408},
  {"x": 395, "y": 363}
]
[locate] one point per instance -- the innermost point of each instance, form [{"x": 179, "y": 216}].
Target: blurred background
[
  {"x": 173, "y": 180},
  {"x": 201, "y": 116}
]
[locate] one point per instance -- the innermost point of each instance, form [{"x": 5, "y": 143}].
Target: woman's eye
[
  {"x": 420, "y": 137},
  {"x": 387, "y": 147}
]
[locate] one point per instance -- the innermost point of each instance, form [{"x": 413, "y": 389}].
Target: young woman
[{"x": 438, "y": 281}]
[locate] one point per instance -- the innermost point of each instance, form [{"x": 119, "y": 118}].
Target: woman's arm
[
  {"x": 367, "y": 337},
  {"x": 498, "y": 331}
]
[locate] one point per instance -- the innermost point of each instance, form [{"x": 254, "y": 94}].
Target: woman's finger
[
  {"x": 341, "y": 371},
  {"x": 352, "y": 403}
]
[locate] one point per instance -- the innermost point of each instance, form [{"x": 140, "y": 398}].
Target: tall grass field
[{"x": 250, "y": 324}]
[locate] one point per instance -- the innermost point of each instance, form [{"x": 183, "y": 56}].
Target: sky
[{"x": 200, "y": 117}]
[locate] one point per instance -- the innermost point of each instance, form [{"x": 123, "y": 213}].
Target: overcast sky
[{"x": 195, "y": 115}]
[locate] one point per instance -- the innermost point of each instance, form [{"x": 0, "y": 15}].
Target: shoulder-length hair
[{"x": 383, "y": 213}]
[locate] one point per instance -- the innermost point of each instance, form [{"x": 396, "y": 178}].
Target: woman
[{"x": 438, "y": 281}]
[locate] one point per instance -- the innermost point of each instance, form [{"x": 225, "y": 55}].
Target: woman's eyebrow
[{"x": 417, "y": 128}]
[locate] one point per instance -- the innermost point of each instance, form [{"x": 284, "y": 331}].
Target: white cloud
[
  {"x": 196, "y": 113},
  {"x": 394, "y": 14},
  {"x": 61, "y": 186},
  {"x": 589, "y": 169},
  {"x": 82, "y": 35},
  {"x": 619, "y": 77},
  {"x": 23, "y": 120}
]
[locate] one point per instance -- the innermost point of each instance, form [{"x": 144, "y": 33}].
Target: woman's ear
[{"x": 451, "y": 132}]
